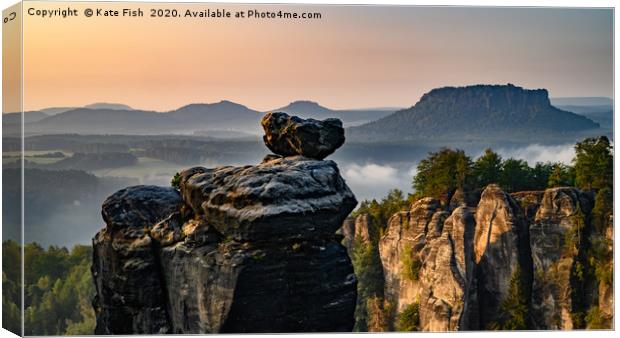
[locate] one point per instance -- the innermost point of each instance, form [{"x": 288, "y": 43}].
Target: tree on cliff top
[
  {"x": 442, "y": 172},
  {"x": 594, "y": 163},
  {"x": 561, "y": 176},
  {"x": 381, "y": 212},
  {"x": 488, "y": 168}
]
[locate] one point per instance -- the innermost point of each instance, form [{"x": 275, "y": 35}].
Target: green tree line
[
  {"x": 58, "y": 289},
  {"x": 444, "y": 171}
]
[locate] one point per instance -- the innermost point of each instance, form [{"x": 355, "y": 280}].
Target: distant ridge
[
  {"x": 305, "y": 107},
  {"x": 475, "y": 111},
  {"x": 224, "y": 115},
  {"x": 111, "y": 106},
  {"x": 97, "y": 105},
  {"x": 350, "y": 117}
]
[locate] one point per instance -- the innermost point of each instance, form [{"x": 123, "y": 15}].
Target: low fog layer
[
  {"x": 540, "y": 153},
  {"x": 372, "y": 180}
]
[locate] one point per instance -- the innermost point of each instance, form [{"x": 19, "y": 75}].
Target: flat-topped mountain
[{"x": 480, "y": 110}]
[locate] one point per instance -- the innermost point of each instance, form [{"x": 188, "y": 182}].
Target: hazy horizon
[
  {"x": 353, "y": 57},
  {"x": 390, "y": 107}
]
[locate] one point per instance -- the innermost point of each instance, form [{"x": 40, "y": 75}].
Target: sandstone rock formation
[
  {"x": 606, "y": 291},
  {"x": 449, "y": 300},
  {"x": 403, "y": 243},
  {"x": 358, "y": 228},
  {"x": 360, "y": 237},
  {"x": 464, "y": 267},
  {"x": 427, "y": 258},
  {"x": 501, "y": 250},
  {"x": 290, "y": 135},
  {"x": 559, "y": 218},
  {"x": 237, "y": 249},
  {"x": 130, "y": 291}
]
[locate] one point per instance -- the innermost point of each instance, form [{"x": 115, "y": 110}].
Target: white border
[{"x": 488, "y": 3}]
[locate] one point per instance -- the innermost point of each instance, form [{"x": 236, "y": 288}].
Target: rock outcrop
[
  {"x": 360, "y": 228},
  {"x": 427, "y": 259},
  {"x": 511, "y": 260},
  {"x": 501, "y": 249},
  {"x": 290, "y": 135},
  {"x": 449, "y": 300},
  {"x": 127, "y": 273},
  {"x": 401, "y": 247},
  {"x": 558, "y": 221},
  {"x": 237, "y": 249}
]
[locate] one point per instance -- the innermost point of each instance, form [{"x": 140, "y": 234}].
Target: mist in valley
[{"x": 76, "y": 157}]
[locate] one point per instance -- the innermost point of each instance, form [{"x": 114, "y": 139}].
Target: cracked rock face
[
  {"x": 553, "y": 258},
  {"x": 290, "y": 135},
  {"x": 445, "y": 284},
  {"x": 501, "y": 250},
  {"x": 469, "y": 257},
  {"x": 238, "y": 249},
  {"x": 404, "y": 241}
]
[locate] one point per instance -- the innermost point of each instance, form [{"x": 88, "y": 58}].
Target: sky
[{"x": 353, "y": 57}]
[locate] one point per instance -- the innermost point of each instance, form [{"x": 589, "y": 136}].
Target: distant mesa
[{"x": 479, "y": 110}]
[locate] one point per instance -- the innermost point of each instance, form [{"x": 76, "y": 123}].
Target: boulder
[
  {"x": 292, "y": 198},
  {"x": 290, "y": 135}
]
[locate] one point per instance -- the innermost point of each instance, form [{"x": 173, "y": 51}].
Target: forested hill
[{"x": 480, "y": 110}]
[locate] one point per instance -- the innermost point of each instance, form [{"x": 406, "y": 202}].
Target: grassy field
[{"x": 12, "y": 156}]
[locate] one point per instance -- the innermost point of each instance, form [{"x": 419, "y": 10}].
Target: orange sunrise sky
[{"x": 352, "y": 57}]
